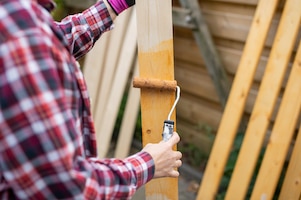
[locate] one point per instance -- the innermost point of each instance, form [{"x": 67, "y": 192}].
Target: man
[{"x": 47, "y": 138}]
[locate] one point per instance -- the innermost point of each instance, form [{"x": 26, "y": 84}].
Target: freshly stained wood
[
  {"x": 237, "y": 99},
  {"x": 155, "y": 53}
]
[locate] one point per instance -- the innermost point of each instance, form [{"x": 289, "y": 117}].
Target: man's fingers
[
  {"x": 178, "y": 163},
  {"x": 174, "y": 139},
  {"x": 179, "y": 155},
  {"x": 174, "y": 173}
]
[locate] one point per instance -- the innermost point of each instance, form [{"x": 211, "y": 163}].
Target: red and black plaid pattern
[{"x": 47, "y": 139}]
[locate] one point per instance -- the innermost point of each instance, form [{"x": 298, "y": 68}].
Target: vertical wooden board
[
  {"x": 155, "y": 53},
  {"x": 110, "y": 63},
  {"x": 105, "y": 127},
  {"x": 266, "y": 100},
  {"x": 237, "y": 99},
  {"x": 282, "y": 131},
  {"x": 291, "y": 188},
  {"x": 129, "y": 121},
  {"x": 93, "y": 68}
]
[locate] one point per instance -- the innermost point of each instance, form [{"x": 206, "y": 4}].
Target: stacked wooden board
[
  {"x": 107, "y": 68},
  {"x": 283, "y": 128},
  {"x": 229, "y": 21}
]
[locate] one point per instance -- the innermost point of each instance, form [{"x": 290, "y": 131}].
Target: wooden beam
[
  {"x": 238, "y": 96},
  {"x": 126, "y": 59},
  {"x": 289, "y": 110},
  {"x": 264, "y": 107},
  {"x": 156, "y": 60},
  {"x": 129, "y": 121},
  {"x": 291, "y": 185},
  {"x": 94, "y": 68},
  {"x": 113, "y": 51}
]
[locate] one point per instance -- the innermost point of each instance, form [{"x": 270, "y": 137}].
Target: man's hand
[{"x": 166, "y": 159}]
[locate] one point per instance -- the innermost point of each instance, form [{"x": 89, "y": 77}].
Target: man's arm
[
  {"x": 41, "y": 144},
  {"x": 84, "y": 29}
]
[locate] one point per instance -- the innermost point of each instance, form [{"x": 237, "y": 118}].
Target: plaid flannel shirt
[{"x": 47, "y": 142}]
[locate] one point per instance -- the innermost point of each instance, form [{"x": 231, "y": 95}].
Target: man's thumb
[{"x": 174, "y": 139}]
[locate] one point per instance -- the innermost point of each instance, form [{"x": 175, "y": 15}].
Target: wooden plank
[
  {"x": 194, "y": 109},
  {"x": 110, "y": 64},
  {"x": 125, "y": 63},
  {"x": 209, "y": 53},
  {"x": 129, "y": 120},
  {"x": 231, "y": 24},
  {"x": 234, "y": 26},
  {"x": 93, "y": 68},
  {"x": 247, "y": 2},
  {"x": 186, "y": 55},
  {"x": 291, "y": 185},
  {"x": 237, "y": 99},
  {"x": 239, "y": 8},
  {"x": 266, "y": 100},
  {"x": 155, "y": 53},
  {"x": 195, "y": 80},
  {"x": 286, "y": 120},
  {"x": 186, "y": 51}
]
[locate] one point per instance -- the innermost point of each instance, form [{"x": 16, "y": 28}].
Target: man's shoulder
[{"x": 18, "y": 16}]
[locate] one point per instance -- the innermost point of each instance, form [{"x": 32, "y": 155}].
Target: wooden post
[{"x": 155, "y": 55}]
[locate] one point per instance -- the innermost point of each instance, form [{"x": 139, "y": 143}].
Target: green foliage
[
  {"x": 192, "y": 155},
  {"x": 119, "y": 117},
  {"x": 60, "y": 10}
]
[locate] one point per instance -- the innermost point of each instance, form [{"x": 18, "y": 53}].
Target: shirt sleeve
[
  {"x": 84, "y": 29},
  {"x": 41, "y": 153}
]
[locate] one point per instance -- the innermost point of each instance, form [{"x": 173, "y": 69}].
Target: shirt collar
[{"x": 47, "y": 4}]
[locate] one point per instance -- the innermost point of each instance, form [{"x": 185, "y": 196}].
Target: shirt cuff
[
  {"x": 144, "y": 167},
  {"x": 98, "y": 18}
]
